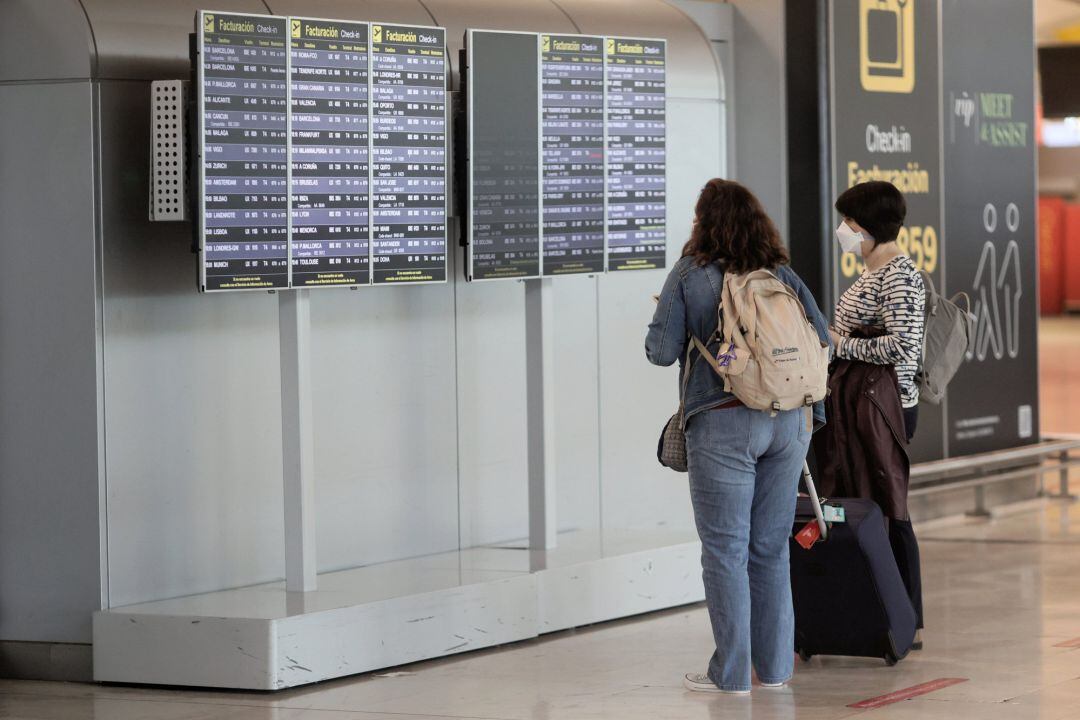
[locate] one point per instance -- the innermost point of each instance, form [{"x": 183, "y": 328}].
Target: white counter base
[{"x": 264, "y": 638}]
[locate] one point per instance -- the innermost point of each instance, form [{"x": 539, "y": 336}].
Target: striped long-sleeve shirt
[{"x": 890, "y": 299}]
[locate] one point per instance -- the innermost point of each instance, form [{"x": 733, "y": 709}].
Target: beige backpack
[{"x": 770, "y": 355}]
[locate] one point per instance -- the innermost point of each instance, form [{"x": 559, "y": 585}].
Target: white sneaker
[
  {"x": 701, "y": 683},
  {"x": 774, "y": 685}
]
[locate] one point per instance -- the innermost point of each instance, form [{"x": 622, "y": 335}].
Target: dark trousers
[{"x": 902, "y": 538}]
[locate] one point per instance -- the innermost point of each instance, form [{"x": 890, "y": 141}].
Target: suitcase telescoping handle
[{"x": 814, "y": 500}]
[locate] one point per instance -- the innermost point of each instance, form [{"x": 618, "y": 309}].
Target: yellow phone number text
[{"x": 920, "y": 243}]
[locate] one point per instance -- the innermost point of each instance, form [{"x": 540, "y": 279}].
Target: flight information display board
[
  {"x": 636, "y": 153},
  {"x": 504, "y": 129},
  {"x": 572, "y": 69},
  {"x": 408, "y": 153},
  {"x": 329, "y": 76},
  {"x": 322, "y": 152},
  {"x": 243, "y": 147},
  {"x": 597, "y": 111}
]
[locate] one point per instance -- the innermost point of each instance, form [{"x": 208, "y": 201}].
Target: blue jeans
[{"x": 744, "y": 474}]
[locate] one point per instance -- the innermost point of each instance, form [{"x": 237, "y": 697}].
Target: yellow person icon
[
  {"x": 376, "y": 33},
  {"x": 611, "y": 46},
  {"x": 208, "y": 23},
  {"x": 296, "y": 28},
  {"x": 545, "y": 43},
  {"x": 887, "y": 45}
]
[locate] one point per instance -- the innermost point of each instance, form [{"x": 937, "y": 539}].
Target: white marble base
[
  {"x": 619, "y": 586},
  {"x": 264, "y": 638}
]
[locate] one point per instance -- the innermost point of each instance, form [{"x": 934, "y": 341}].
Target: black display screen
[
  {"x": 504, "y": 126},
  {"x": 408, "y": 126},
  {"x": 243, "y": 205},
  {"x": 322, "y": 152},
  {"x": 1057, "y": 73},
  {"x": 329, "y": 152},
  {"x": 567, "y": 171},
  {"x": 572, "y": 70},
  {"x": 636, "y": 154}
]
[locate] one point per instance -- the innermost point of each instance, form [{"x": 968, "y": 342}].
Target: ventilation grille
[{"x": 168, "y": 164}]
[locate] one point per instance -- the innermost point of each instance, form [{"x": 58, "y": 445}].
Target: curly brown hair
[{"x": 731, "y": 228}]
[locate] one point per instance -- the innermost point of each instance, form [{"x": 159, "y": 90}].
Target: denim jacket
[{"x": 688, "y": 304}]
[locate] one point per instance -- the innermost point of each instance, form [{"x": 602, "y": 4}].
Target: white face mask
[{"x": 850, "y": 241}]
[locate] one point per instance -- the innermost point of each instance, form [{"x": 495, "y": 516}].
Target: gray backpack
[{"x": 947, "y": 330}]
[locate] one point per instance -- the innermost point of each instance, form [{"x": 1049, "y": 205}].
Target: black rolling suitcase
[{"x": 849, "y": 597}]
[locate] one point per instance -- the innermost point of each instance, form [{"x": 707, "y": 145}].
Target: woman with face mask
[{"x": 879, "y": 321}]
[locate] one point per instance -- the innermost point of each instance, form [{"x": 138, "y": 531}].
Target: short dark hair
[
  {"x": 877, "y": 206},
  {"x": 732, "y": 228}
]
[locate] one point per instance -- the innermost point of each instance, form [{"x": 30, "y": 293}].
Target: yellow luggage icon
[{"x": 887, "y": 45}]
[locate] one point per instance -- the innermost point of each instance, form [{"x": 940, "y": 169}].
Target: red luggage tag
[{"x": 809, "y": 535}]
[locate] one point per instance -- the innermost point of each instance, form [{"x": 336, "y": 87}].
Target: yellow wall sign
[
  {"x": 545, "y": 43},
  {"x": 208, "y": 23},
  {"x": 887, "y": 45},
  {"x": 1068, "y": 34},
  {"x": 376, "y": 33},
  {"x": 295, "y": 28}
]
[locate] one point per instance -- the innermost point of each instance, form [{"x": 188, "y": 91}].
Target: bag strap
[
  {"x": 931, "y": 292},
  {"x": 967, "y": 301},
  {"x": 928, "y": 281},
  {"x": 688, "y": 365}
]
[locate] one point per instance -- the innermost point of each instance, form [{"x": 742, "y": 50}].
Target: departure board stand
[
  {"x": 540, "y": 411},
  {"x": 294, "y": 339}
]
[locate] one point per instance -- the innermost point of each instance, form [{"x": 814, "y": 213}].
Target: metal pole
[
  {"x": 540, "y": 410},
  {"x": 1063, "y": 479},
  {"x": 294, "y": 328},
  {"x": 980, "y": 503},
  {"x": 1064, "y": 475}
]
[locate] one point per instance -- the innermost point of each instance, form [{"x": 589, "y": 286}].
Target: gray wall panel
[
  {"x": 717, "y": 22},
  {"x": 192, "y": 411},
  {"x": 760, "y": 108},
  {"x": 50, "y": 562},
  {"x": 636, "y": 398},
  {"x": 45, "y": 40},
  {"x": 491, "y": 411},
  {"x": 716, "y": 19},
  {"x": 577, "y": 431},
  {"x": 385, "y": 413},
  {"x": 491, "y": 374}
]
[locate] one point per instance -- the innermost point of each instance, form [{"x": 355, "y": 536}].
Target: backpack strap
[{"x": 705, "y": 353}]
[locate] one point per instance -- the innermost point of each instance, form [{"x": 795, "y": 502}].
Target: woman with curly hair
[{"x": 744, "y": 464}]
